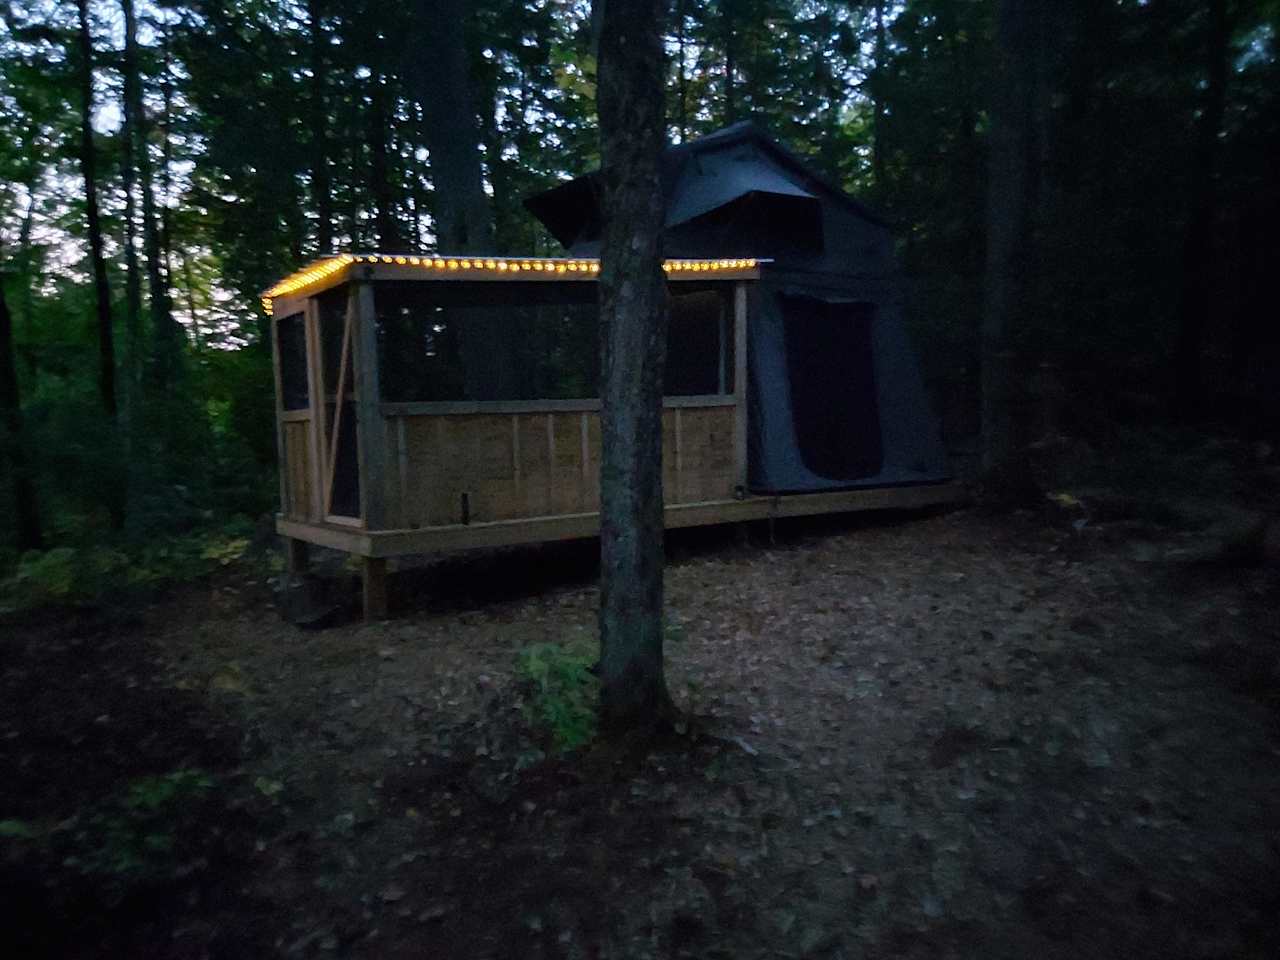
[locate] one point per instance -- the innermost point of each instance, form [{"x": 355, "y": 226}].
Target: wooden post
[
  {"x": 297, "y": 555},
  {"x": 374, "y": 580},
  {"x": 315, "y": 386},
  {"x": 740, "y": 382},
  {"x": 371, "y": 430},
  {"x": 282, "y": 466}
]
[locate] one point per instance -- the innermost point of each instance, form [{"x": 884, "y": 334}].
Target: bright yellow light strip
[{"x": 323, "y": 269}]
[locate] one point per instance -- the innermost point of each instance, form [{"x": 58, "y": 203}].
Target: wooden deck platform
[{"x": 394, "y": 543}]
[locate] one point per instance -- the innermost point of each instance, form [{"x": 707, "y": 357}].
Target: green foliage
[
  {"x": 19, "y": 829},
  {"x": 564, "y": 691},
  {"x": 65, "y": 574},
  {"x": 141, "y": 833},
  {"x": 89, "y": 573}
]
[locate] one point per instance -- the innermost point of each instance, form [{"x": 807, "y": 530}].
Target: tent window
[
  {"x": 700, "y": 344},
  {"x": 291, "y": 339},
  {"x": 833, "y": 390}
]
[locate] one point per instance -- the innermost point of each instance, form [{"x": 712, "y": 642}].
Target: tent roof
[{"x": 572, "y": 208}]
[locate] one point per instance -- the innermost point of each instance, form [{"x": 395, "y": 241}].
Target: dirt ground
[{"x": 943, "y": 736}]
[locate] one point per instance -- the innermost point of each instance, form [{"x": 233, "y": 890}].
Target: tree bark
[
  {"x": 1197, "y": 247},
  {"x": 132, "y": 274},
  {"x": 385, "y": 223},
  {"x": 13, "y": 454},
  {"x": 463, "y": 216},
  {"x": 877, "y": 100},
  {"x": 730, "y": 64},
  {"x": 166, "y": 158},
  {"x": 682, "y": 74},
  {"x": 1009, "y": 218},
  {"x": 321, "y": 192},
  {"x": 165, "y": 333},
  {"x": 88, "y": 170},
  {"x": 633, "y": 332}
]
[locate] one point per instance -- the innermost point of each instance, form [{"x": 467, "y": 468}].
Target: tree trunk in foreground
[
  {"x": 633, "y": 333},
  {"x": 13, "y": 454},
  {"x": 88, "y": 170}
]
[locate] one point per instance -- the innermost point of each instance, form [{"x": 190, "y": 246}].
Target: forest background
[{"x": 162, "y": 163}]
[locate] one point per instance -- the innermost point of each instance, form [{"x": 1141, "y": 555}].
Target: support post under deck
[{"x": 373, "y": 576}]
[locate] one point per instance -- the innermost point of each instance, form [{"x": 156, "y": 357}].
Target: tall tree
[
  {"x": 1009, "y": 217},
  {"x": 88, "y": 171},
  {"x": 321, "y": 192},
  {"x": 464, "y": 219},
  {"x": 13, "y": 453},
  {"x": 131, "y": 77},
  {"x": 729, "y": 38},
  {"x": 633, "y": 336},
  {"x": 880, "y": 53},
  {"x": 165, "y": 332},
  {"x": 386, "y": 224},
  {"x": 1197, "y": 249}
]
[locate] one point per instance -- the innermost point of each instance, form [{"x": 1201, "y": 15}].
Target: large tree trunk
[
  {"x": 165, "y": 333},
  {"x": 730, "y": 64},
  {"x": 88, "y": 170},
  {"x": 877, "y": 99},
  {"x": 682, "y": 74},
  {"x": 464, "y": 219},
  {"x": 13, "y": 454},
  {"x": 132, "y": 274},
  {"x": 386, "y": 225},
  {"x": 321, "y": 193},
  {"x": 1009, "y": 220},
  {"x": 633, "y": 336},
  {"x": 1197, "y": 248}
]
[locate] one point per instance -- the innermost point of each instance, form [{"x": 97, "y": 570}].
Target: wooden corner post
[
  {"x": 373, "y": 579},
  {"x": 282, "y": 466},
  {"x": 371, "y": 427},
  {"x": 740, "y": 385},
  {"x": 371, "y": 439}
]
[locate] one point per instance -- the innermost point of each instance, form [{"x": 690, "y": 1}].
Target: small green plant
[
  {"x": 564, "y": 690},
  {"x": 16, "y": 830},
  {"x": 137, "y": 832},
  {"x": 88, "y": 574},
  {"x": 66, "y": 574}
]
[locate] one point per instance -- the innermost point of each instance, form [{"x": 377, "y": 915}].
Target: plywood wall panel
[
  {"x": 539, "y": 464},
  {"x": 297, "y": 468}
]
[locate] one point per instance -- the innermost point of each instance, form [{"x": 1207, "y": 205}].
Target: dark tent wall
[
  {"x": 835, "y": 396},
  {"x": 870, "y": 383}
]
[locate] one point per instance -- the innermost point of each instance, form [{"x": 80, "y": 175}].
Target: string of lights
[{"x": 505, "y": 266}]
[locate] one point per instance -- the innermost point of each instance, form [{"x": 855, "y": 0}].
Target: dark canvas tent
[{"x": 835, "y": 395}]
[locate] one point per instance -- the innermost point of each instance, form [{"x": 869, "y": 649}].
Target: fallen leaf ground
[{"x": 942, "y": 736}]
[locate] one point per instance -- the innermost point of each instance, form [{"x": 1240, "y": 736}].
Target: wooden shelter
[{"x": 437, "y": 403}]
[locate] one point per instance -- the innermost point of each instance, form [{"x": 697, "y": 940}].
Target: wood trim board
[{"x": 391, "y": 543}]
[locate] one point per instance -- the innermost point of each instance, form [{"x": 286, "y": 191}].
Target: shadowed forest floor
[{"x": 948, "y": 736}]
